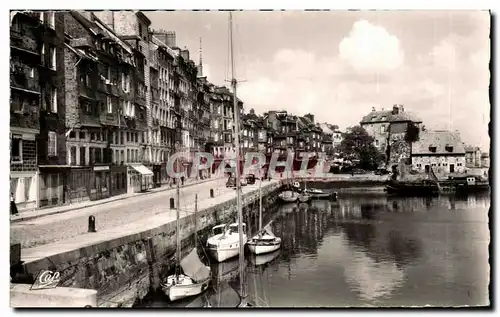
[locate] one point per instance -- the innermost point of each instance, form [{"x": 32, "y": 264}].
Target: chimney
[
  {"x": 185, "y": 54},
  {"x": 401, "y": 108},
  {"x": 395, "y": 109},
  {"x": 252, "y": 111},
  {"x": 167, "y": 37},
  {"x": 373, "y": 109}
]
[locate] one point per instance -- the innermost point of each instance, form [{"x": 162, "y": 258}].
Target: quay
[
  {"x": 135, "y": 240},
  {"x": 124, "y": 262}
]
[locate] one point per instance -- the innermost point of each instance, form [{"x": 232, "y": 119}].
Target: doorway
[
  {"x": 452, "y": 168},
  {"x": 427, "y": 168}
]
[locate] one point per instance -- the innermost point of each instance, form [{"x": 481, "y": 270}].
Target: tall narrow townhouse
[
  {"x": 132, "y": 27},
  {"x": 26, "y": 49},
  {"x": 51, "y": 149},
  {"x": 105, "y": 124},
  {"x": 162, "y": 102}
]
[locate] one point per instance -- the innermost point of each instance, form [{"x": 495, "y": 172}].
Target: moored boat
[
  {"x": 225, "y": 242},
  {"x": 264, "y": 242},
  {"x": 194, "y": 281},
  {"x": 196, "y": 275},
  {"x": 288, "y": 196},
  {"x": 304, "y": 197}
]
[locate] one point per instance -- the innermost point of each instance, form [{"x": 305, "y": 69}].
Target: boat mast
[
  {"x": 195, "y": 220},
  {"x": 236, "y": 110},
  {"x": 260, "y": 205},
  {"x": 178, "y": 225}
]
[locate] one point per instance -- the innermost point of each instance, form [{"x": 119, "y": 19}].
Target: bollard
[
  {"x": 92, "y": 224},
  {"x": 211, "y": 193},
  {"x": 172, "y": 203}
]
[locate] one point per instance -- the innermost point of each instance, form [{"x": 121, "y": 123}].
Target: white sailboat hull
[
  {"x": 185, "y": 288},
  {"x": 261, "y": 249},
  {"x": 223, "y": 253}
]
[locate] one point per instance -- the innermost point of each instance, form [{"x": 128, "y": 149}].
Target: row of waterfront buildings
[
  {"x": 441, "y": 151},
  {"x": 100, "y": 100}
]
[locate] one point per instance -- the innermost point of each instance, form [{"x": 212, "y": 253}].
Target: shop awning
[{"x": 142, "y": 169}]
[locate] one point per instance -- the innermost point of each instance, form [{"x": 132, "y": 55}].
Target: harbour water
[{"x": 364, "y": 250}]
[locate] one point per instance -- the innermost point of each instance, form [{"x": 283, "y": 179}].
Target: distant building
[
  {"x": 472, "y": 156},
  {"x": 485, "y": 160},
  {"x": 388, "y": 128},
  {"x": 443, "y": 151}
]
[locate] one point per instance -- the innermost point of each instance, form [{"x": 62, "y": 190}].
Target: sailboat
[
  {"x": 231, "y": 241},
  {"x": 196, "y": 276},
  {"x": 304, "y": 196},
  {"x": 264, "y": 241}
]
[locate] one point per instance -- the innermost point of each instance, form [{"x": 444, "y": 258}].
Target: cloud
[
  {"x": 446, "y": 84},
  {"x": 371, "y": 48}
]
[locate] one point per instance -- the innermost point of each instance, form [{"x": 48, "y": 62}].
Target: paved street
[
  {"x": 61, "y": 243},
  {"x": 63, "y": 226}
]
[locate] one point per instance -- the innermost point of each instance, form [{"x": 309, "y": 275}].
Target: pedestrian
[
  {"x": 182, "y": 180},
  {"x": 13, "y": 207}
]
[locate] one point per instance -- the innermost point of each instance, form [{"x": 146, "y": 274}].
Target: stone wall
[
  {"x": 400, "y": 149},
  {"x": 124, "y": 270}
]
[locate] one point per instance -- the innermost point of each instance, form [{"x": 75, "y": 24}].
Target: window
[
  {"x": 109, "y": 104},
  {"x": 82, "y": 135},
  {"x": 16, "y": 148},
  {"x": 41, "y": 17},
  {"x": 42, "y": 52},
  {"x": 92, "y": 136},
  {"x": 52, "y": 144},
  {"x": 52, "y": 54},
  {"x": 52, "y": 19},
  {"x": 31, "y": 72},
  {"x": 53, "y": 104},
  {"x": 382, "y": 129},
  {"x": 376, "y": 142}
]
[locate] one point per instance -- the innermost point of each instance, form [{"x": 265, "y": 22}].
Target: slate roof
[
  {"x": 439, "y": 139},
  {"x": 471, "y": 148},
  {"x": 388, "y": 116}
]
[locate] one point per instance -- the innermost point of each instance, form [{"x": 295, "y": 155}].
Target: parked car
[
  {"x": 231, "y": 182},
  {"x": 382, "y": 171},
  {"x": 250, "y": 179}
]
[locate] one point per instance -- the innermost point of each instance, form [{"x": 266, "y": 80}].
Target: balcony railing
[
  {"x": 21, "y": 41},
  {"x": 21, "y": 80}
]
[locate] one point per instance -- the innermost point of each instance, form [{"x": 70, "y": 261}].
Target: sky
[{"x": 337, "y": 65}]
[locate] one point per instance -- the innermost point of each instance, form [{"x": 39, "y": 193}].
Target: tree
[{"x": 357, "y": 144}]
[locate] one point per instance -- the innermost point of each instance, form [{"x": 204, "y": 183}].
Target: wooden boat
[
  {"x": 196, "y": 275},
  {"x": 288, "y": 196},
  {"x": 319, "y": 194},
  {"x": 264, "y": 241},
  {"x": 194, "y": 281},
  {"x": 416, "y": 188},
  {"x": 225, "y": 241},
  {"x": 304, "y": 197}
]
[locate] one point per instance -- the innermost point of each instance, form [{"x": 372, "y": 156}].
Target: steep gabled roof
[
  {"x": 389, "y": 116},
  {"x": 440, "y": 140}
]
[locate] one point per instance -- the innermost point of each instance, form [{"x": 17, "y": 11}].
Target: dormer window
[
  {"x": 374, "y": 118},
  {"x": 384, "y": 118},
  {"x": 432, "y": 148},
  {"x": 449, "y": 148}
]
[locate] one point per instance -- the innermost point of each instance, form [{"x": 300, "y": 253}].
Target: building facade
[
  {"x": 472, "y": 156},
  {"x": 28, "y": 55},
  {"x": 389, "y": 131},
  {"x": 441, "y": 151}
]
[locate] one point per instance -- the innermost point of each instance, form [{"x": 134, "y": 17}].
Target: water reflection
[{"x": 369, "y": 251}]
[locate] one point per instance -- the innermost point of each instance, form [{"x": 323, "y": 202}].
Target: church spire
[{"x": 200, "y": 64}]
